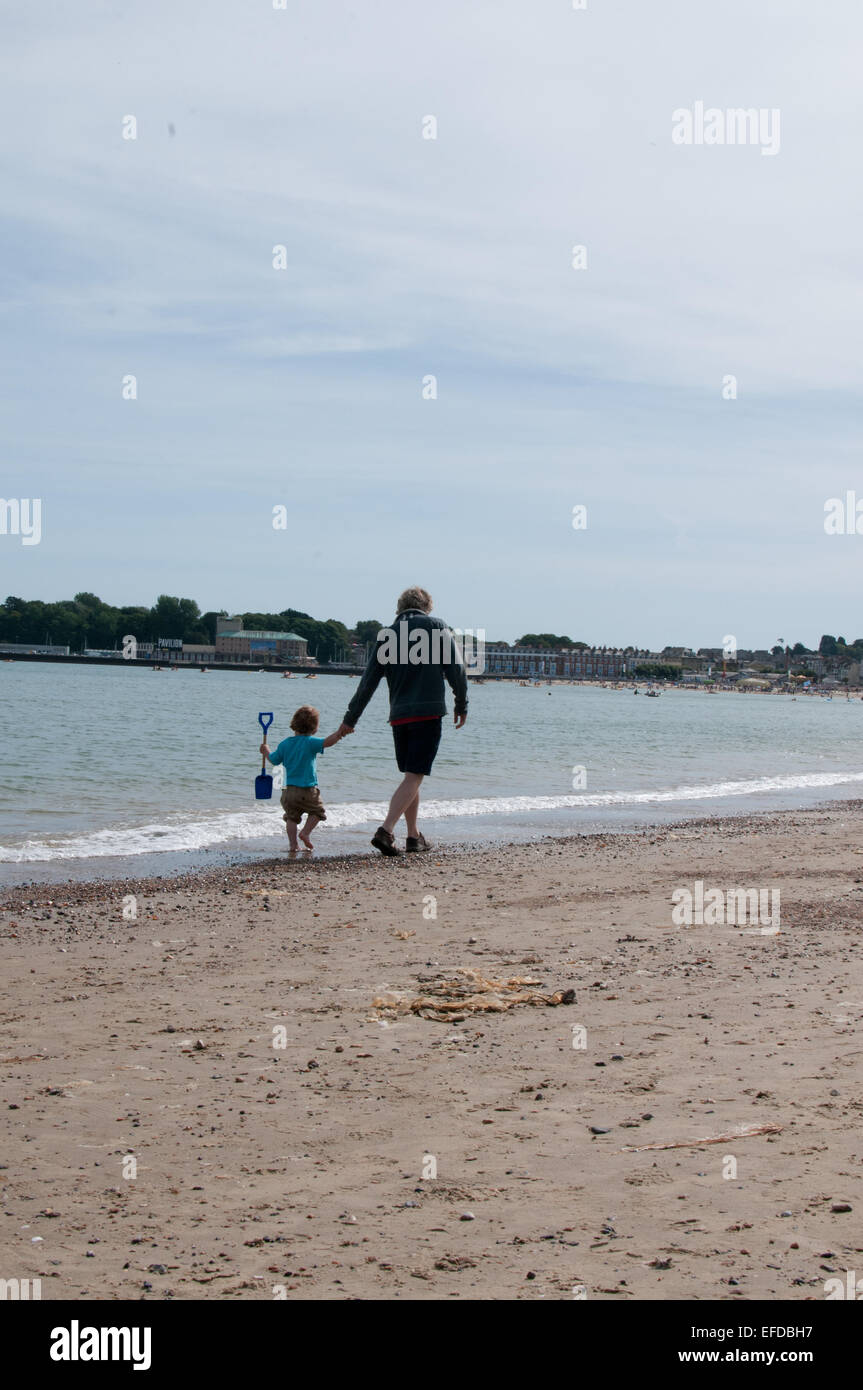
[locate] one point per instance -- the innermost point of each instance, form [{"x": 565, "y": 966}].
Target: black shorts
[{"x": 416, "y": 744}]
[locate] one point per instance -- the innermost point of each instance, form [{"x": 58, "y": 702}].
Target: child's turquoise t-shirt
[{"x": 297, "y": 756}]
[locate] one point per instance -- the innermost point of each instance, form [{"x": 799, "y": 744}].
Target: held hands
[{"x": 343, "y": 730}]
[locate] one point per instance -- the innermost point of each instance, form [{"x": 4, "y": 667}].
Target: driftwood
[{"x": 744, "y": 1132}]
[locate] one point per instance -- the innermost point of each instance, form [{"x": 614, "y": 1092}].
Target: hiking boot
[
  {"x": 383, "y": 840},
  {"x": 417, "y": 844}
]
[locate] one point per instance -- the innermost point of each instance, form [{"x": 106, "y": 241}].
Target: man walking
[{"x": 416, "y": 655}]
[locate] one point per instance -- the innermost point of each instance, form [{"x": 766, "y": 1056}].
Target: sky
[{"x": 407, "y": 258}]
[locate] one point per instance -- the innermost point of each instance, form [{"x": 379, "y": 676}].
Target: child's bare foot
[{"x": 306, "y": 841}]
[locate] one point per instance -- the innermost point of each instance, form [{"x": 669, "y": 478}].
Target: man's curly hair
[{"x": 415, "y": 597}]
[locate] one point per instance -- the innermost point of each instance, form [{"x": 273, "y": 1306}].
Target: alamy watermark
[
  {"x": 77, "y": 1343},
  {"x": 736, "y": 125},
  {"x": 843, "y": 516},
  {"x": 21, "y": 517},
  {"x": 850, "y": 1287},
  {"x": 20, "y": 1290},
  {"x": 718, "y": 907},
  {"x": 435, "y": 646}
]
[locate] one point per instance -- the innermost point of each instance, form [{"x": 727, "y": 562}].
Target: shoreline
[
  {"x": 232, "y": 871},
  {"x": 178, "y": 817}
]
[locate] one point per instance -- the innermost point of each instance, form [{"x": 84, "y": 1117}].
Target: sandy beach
[{"x": 387, "y": 1154}]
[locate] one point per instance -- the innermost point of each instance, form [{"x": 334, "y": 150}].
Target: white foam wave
[{"x": 177, "y": 835}]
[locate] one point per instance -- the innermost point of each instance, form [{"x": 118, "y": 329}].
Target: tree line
[{"x": 87, "y": 621}]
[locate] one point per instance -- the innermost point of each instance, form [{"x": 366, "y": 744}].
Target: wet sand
[{"x": 310, "y": 1168}]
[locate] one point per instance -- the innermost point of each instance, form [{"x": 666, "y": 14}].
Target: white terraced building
[{"x": 563, "y": 663}]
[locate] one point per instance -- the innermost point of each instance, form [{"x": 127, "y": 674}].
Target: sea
[{"x": 115, "y": 772}]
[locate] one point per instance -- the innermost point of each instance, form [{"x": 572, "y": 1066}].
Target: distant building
[
  {"x": 233, "y": 646},
  {"x": 808, "y": 663},
  {"x": 576, "y": 663},
  {"x": 31, "y": 649},
  {"x": 196, "y": 654},
  {"x": 760, "y": 657},
  {"x": 653, "y": 659},
  {"x": 174, "y": 652},
  {"x": 163, "y": 649},
  {"x": 259, "y": 648}
]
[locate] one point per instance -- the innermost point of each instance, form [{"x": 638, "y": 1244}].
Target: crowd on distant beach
[{"x": 701, "y": 687}]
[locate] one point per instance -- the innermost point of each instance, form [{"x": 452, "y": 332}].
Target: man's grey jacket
[{"x": 415, "y": 655}]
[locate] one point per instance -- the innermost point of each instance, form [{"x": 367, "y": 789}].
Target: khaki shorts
[{"x": 300, "y": 801}]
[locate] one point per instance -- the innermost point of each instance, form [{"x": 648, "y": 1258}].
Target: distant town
[{"x": 174, "y": 632}]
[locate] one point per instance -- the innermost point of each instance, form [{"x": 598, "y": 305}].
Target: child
[{"x": 297, "y": 756}]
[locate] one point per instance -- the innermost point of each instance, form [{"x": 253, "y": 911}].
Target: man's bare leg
[
  {"x": 311, "y": 822},
  {"x": 410, "y": 814},
  {"x": 405, "y": 793}
]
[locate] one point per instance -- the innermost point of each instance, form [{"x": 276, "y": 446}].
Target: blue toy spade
[{"x": 264, "y": 782}]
